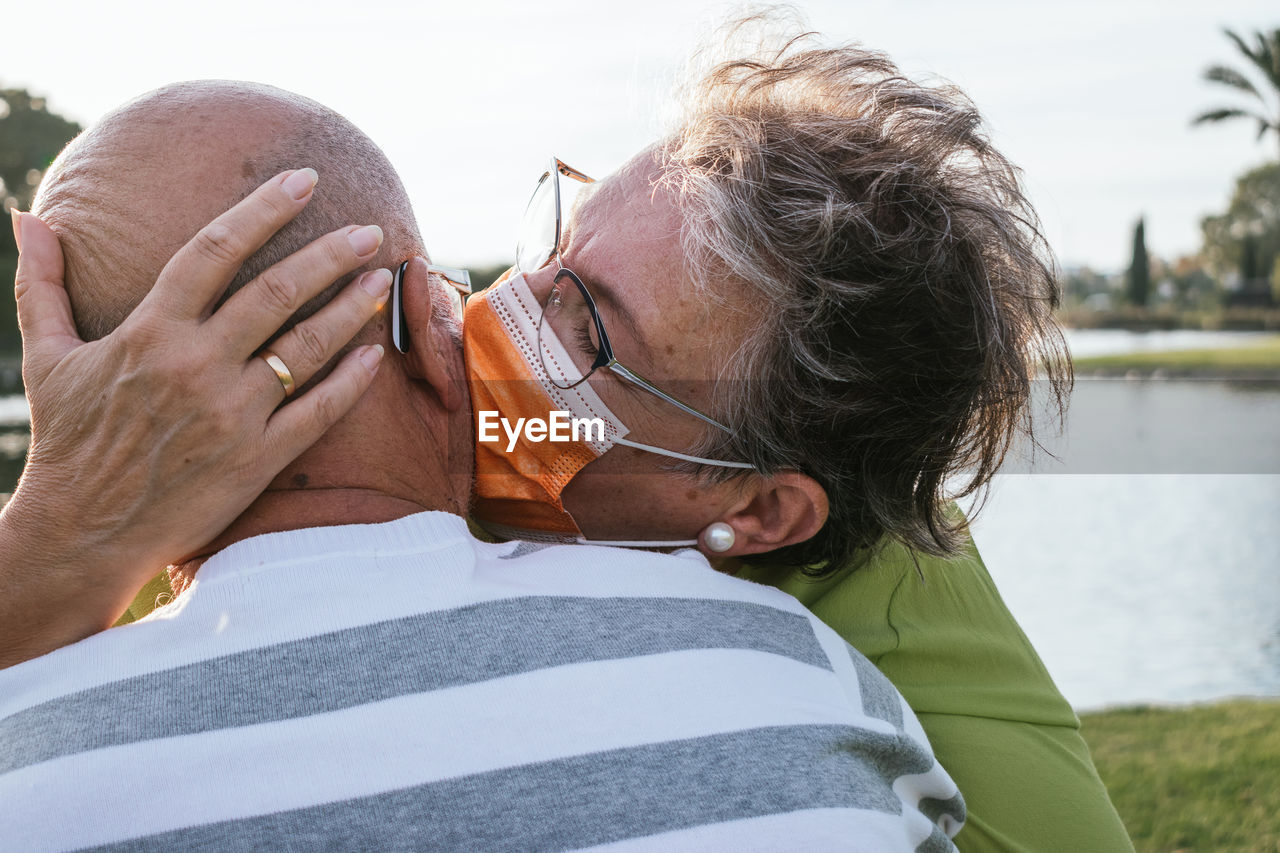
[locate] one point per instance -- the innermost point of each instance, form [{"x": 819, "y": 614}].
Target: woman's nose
[{"x": 541, "y": 281}]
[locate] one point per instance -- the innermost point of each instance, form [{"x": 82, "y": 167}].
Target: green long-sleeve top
[{"x": 997, "y": 723}]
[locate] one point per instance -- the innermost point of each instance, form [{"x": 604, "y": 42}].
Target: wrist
[{"x": 58, "y": 583}]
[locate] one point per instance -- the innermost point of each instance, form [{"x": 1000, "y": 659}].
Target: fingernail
[
  {"x": 377, "y": 284},
  {"x": 366, "y": 240},
  {"x": 300, "y": 183},
  {"x": 371, "y": 357},
  {"x": 17, "y": 226}
]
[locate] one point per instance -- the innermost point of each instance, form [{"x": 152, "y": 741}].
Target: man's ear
[
  {"x": 784, "y": 509},
  {"x": 434, "y": 355}
]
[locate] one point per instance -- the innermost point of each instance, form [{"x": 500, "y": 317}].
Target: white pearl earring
[{"x": 719, "y": 537}]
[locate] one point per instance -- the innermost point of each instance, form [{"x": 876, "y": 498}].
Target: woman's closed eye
[{"x": 585, "y": 339}]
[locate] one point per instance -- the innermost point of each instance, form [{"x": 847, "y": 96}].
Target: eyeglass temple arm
[
  {"x": 569, "y": 172},
  {"x": 637, "y": 379},
  {"x": 459, "y": 278}
]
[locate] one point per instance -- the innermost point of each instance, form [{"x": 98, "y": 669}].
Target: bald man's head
[{"x": 137, "y": 185}]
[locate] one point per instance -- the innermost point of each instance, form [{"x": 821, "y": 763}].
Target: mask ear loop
[
  {"x": 720, "y": 463},
  {"x": 502, "y": 531},
  {"x": 612, "y": 543}
]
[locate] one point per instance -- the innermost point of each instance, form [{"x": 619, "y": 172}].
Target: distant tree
[
  {"x": 1138, "y": 282},
  {"x": 30, "y": 137},
  {"x": 482, "y": 277},
  {"x": 1246, "y": 238},
  {"x": 1192, "y": 284},
  {"x": 1082, "y": 285},
  {"x": 1250, "y": 265},
  {"x": 1264, "y": 57}
]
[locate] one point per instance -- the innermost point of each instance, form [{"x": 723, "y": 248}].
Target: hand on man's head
[{"x": 173, "y": 407}]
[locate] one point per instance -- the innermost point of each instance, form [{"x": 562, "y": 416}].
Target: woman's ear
[
  {"x": 784, "y": 509},
  {"x": 434, "y": 353}
]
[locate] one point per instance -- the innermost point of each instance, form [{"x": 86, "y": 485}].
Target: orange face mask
[{"x": 521, "y": 472}]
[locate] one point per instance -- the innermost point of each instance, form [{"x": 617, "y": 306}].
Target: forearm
[{"x": 58, "y": 584}]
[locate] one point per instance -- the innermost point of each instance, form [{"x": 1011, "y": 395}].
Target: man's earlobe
[
  {"x": 433, "y": 351},
  {"x": 785, "y": 509}
]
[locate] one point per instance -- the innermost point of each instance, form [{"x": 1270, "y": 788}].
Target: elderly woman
[
  {"x": 828, "y": 277},
  {"x": 807, "y": 320}
]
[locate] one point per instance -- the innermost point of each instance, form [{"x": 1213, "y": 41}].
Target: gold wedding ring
[{"x": 282, "y": 372}]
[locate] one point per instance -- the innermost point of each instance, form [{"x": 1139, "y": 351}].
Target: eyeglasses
[{"x": 580, "y": 345}]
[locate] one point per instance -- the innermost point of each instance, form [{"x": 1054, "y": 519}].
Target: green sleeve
[
  {"x": 996, "y": 721},
  {"x": 148, "y": 598}
]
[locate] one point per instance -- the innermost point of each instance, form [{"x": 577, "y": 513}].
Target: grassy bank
[
  {"x": 1261, "y": 359},
  {"x": 1200, "y": 778},
  {"x": 1235, "y": 319}
]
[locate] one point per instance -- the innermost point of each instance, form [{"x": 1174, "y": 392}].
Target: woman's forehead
[
  {"x": 630, "y": 211},
  {"x": 628, "y": 235}
]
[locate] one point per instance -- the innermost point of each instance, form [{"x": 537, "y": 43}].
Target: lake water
[
  {"x": 1091, "y": 342},
  {"x": 1144, "y": 560},
  {"x": 1142, "y": 588}
]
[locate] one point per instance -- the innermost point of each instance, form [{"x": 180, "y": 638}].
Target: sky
[{"x": 470, "y": 99}]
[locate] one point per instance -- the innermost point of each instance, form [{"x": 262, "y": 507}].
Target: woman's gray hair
[{"x": 903, "y": 285}]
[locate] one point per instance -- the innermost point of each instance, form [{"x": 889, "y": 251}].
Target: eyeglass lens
[
  {"x": 568, "y": 340},
  {"x": 549, "y": 209},
  {"x": 536, "y": 242}
]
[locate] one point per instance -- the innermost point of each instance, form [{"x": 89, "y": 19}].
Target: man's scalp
[{"x": 134, "y": 187}]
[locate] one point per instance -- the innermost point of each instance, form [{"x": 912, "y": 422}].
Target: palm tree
[{"x": 1265, "y": 57}]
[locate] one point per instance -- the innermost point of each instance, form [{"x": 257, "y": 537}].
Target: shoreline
[
  {"x": 1259, "y": 362},
  {"x": 1159, "y": 374},
  {"x": 1156, "y": 706}
]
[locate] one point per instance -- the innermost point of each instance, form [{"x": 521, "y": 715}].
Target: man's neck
[{"x": 378, "y": 464}]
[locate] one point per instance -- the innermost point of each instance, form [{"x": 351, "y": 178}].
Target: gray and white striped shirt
[{"x": 404, "y": 686}]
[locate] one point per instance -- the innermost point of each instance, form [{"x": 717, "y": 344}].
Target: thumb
[{"x": 44, "y": 311}]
